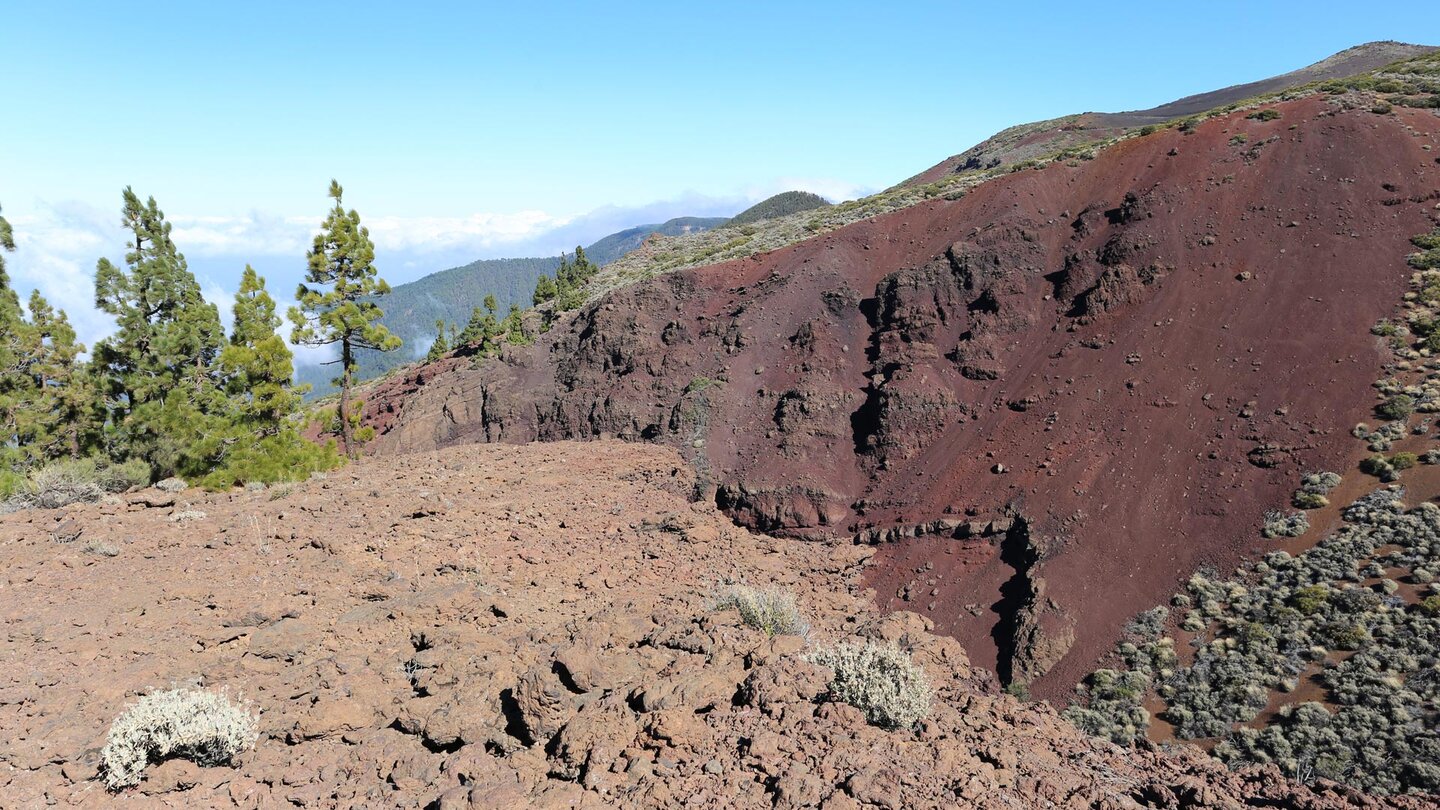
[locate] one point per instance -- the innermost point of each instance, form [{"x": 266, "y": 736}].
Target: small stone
[
  {"x": 67, "y": 532},
  {"x": 171, "y": 485}
]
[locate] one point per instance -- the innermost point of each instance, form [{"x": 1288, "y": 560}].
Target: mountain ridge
[{"x": 1025, "y": 141}]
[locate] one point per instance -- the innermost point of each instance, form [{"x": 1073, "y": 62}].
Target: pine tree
[
  {"x": 157, "y": 372},
  {"x": 341, "y": 308},
  {"x": 474, "y": 331},
  {"x": 7, "y": 243},
  {"x": 583, "y": 268},
  {"x": 571, "y": 279},
  {"x": 46, "y": 400},
  {"x": 262, "y": 442},
  {"x": 440, "y": 347},
  {"x": 257, "y": 364},
  {"x": 67, "y": 420},
  {"x": 513, "y": 328},
  {"x": 16, "y": 384},
  {"x": 480, "y": 332},
  {"x": 544, "y": 290}
]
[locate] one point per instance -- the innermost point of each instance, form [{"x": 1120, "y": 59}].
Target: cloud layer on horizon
[{"x": 59, "y": 243}]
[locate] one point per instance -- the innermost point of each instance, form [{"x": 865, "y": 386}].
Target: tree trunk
[{"x": 343, "y": 410}]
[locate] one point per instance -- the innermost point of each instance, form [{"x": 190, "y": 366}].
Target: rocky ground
[{"x": 498, "y": 626}]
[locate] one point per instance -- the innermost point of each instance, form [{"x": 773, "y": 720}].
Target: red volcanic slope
[{"x": 1125, "y": 360}]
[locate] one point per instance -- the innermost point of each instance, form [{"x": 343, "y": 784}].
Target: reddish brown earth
[
  {"x": 1137, "y": 355},
  {"x": 511, "y": 627}
]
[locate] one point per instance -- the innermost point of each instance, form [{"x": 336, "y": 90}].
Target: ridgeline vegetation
[{"x": 487, "y": 332}]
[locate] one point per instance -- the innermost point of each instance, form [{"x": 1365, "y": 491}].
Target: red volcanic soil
[{"x": 1059, "y": 394}]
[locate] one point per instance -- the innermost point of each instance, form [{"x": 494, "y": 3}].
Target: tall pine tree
[
  {"x": 257, "y": 364},
  {"x": 262, "y": 441},
  {"x": 16, "y": 384},
  {"x": 46, "y": 402},
  {"x": 341, "y": 307},
  {"x": 157, "y": 372},
  {"x": 544, "y": 290},
  {"x": 67, "y": 420}
]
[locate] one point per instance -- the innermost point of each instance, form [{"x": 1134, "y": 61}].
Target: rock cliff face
[{"x": 1138, "y": 354}]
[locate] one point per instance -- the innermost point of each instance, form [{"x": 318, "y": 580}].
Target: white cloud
[
  {"x": 255, "y": 234},
  {"x": 259, "y": 234},
  {"x": 59, "y": 243},
  {"x": 224, "y": 300},
  {"x": 477, "y": 232},
  {"x": 56, "y": 250},
  {"x": 311, "y": 355},
  {"x": 833, "y": 189}
]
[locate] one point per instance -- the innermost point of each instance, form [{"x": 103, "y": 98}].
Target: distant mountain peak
[{"x": 786, "y": 202}]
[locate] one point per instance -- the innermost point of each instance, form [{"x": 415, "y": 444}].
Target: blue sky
[{"x": 463, "y": 130}]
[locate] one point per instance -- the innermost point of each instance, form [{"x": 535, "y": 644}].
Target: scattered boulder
[{"x": 171, "y": 485}]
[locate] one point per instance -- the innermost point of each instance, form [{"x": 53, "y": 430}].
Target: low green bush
[
  {"x": 1396, "y": 407},
  {"x": 277, "y": 458},
  {"x": 1377, "y": 466},
  {"x": 1282, "y": 621}
]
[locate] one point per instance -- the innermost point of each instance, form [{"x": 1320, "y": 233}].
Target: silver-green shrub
[
  {"x": 1279, "y": 524},
  {"x": 83, "y": 480},
  {"x": 880, "y": 680},
  {"x": 771, "y": 610},
  {"x": 206, "y": 728}
]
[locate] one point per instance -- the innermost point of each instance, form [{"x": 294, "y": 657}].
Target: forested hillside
[
  {"x": 412, "y": 309},
  {"x": 786, "y": 202}
]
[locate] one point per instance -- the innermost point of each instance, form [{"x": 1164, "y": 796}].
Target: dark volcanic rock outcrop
[{"x": 1139, "y": 354}]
